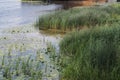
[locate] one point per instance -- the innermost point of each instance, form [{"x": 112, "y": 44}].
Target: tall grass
[
  {"x": 92, "y": 54},
  {"x": 77, "y": 18}
]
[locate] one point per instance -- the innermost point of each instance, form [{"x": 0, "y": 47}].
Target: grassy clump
[
  {"x": 92, "y": 54},
  {"x": 21, "y": 68},
  {"x": 77, "y": 18}
]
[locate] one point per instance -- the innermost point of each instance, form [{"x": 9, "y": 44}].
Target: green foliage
[
  {"x": 92, "y": 54},
  {"x": 77, "y": 18}
]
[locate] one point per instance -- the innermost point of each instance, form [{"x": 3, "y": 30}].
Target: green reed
[
  {"x": 77, "y": 18},
  {"x": 91, "y": 54}
]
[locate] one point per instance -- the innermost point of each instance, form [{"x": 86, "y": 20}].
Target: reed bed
[
  {"x": 77, "y": 18},
  {"x": 91, "y": 54}
]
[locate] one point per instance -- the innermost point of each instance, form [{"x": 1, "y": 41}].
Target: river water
[
  {"x": 15, "y": 13},
  {"x": 19, "y": 37}
]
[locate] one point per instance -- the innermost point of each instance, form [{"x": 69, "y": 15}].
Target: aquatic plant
[
  {"x": 91, "y": 54},
  {"x": 77, "y": 18},
  {"x": 18, "y": 67}
]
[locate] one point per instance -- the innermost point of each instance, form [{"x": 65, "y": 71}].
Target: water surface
[
  {"x": 16, "y": 13},
  {"x": 20, "y": 40}
]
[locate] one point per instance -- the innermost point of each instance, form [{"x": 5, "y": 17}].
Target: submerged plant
[{"x": 21, "y": 66}]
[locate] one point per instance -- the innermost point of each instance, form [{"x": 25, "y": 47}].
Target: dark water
[{"x": 14, "y": 13}]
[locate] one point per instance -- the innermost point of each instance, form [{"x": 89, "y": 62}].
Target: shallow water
[
  {"x": 20, "y": 39},
  {"x": 25, "y": 41}
]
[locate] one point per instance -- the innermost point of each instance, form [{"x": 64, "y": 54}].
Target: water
[
  {"x": 19, "y": 39},
  {"x": 15, "y": 13}
]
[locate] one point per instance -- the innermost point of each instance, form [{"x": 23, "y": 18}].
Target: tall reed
[
  {"x": 92, "y": 54},
  {"x": 77, "y": 18}
]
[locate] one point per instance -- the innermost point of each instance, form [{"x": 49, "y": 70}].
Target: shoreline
[{"x": 35, "y": 2}]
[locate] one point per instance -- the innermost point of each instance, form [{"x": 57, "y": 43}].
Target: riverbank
[{"x": 91, "y": 51}]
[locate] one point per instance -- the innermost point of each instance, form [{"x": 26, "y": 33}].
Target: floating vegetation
[
  {"x": 22, "y": 56},
  {"x": 18, "y": 30},
  {"x": 26, "y": 68},
  {"x": 5, "y": 38}
]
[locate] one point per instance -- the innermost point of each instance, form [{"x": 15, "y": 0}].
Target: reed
[
  {"x": 91, "y": 54},
  {"x": 77, "y": 18}
]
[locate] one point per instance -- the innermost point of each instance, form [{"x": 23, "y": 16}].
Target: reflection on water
[{"x": 14, "y": 13}]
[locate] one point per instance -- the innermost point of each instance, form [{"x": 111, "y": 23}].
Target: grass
[
  {"x": 92, "y": 54},
  {"x": 20, "y": 68},
  {"x": 77, "y": 18},
  {"x": 88, "y": 54}
]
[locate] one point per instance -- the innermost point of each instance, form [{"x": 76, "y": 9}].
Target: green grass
[
  {"x": 77, "y": 18},
  {"x": 91, "y": 54}
]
